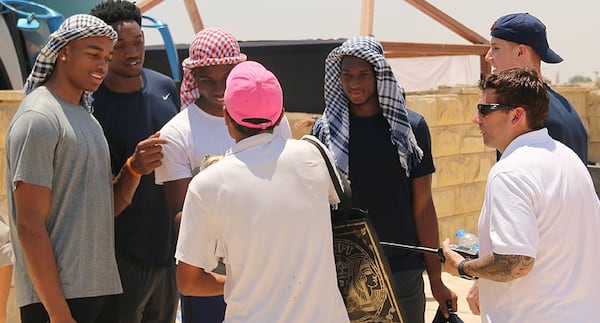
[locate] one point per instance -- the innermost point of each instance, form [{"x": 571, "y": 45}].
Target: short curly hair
[{"x": 113, "y": 11}]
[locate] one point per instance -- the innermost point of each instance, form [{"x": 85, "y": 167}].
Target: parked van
[{"x": 28, "y": 24}]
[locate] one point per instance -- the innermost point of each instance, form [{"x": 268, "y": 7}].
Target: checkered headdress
[
  {"x": 333, "y": 128},
  {"x": 73, "y": 28},
  {"x": 211, "y": 46}
]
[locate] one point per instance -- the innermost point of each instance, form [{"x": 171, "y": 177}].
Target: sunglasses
[{"x": 487, "y": 108}]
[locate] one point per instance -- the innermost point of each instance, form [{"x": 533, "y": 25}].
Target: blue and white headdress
[{"x": 333, "y": 128}]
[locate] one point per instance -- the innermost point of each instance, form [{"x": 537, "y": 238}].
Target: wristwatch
[{"x": 462, "y": 273}]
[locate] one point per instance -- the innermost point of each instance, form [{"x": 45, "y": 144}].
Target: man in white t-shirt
[
  {"x": 264, "y": 210},
  {"x": 197, "y": 131},
  {"x": 539, "y": 228}
]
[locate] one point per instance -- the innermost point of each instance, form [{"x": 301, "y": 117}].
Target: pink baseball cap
[{"x": 253, "y": 96}]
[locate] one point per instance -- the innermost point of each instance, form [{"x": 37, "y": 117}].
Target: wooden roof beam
[
  {"x": 450, "y": 23},
  {"x": 366, "y": 17},
  {"x": 146, "y": 5},
  {"x": 190, "y": 6},
  {"x": 404, "y": 49},
  {"x": 194, "y": 15}
]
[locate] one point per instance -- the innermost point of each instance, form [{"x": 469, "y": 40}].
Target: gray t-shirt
[{"x": 61, "y": 146}]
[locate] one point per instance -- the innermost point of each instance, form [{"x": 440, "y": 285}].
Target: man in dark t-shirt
[
  {"x": 380, "y": 185},
  {"x": 386, "y": 153},
  {"x": 133, "y": 103}
]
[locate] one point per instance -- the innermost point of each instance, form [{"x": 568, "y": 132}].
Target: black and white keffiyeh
[
  {"x": 75, "y": 27},
  {"x": 333, "y": 128}
]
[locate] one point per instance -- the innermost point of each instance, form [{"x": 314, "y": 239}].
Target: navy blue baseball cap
[{"x": 523, "y": 28}]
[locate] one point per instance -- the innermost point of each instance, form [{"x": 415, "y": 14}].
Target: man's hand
[
  {"x": 146, "y": 157},
  {"x": 452, "y": 258},
  {"x": 473, "y": 298},
  {"x": 442, "y": 294},
  {"x": 304, "y": 123},
  {"x": 148, "y": 154}
]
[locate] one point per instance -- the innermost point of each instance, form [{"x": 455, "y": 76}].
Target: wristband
[
  {"x": 130, "y": 169},
  {"x": 461, "y": 270}
]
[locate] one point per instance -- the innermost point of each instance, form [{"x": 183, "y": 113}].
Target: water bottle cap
[{"x": 460, "y": 233}]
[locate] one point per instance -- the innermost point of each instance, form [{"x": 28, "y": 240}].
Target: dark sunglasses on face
[{"x": 487, "y": 108}]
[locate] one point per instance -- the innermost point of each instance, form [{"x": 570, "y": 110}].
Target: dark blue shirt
[
  {"x": 144, "y": 230},
  {"x": 564, "y": 125},
  {"x": 380, "y": 186}
]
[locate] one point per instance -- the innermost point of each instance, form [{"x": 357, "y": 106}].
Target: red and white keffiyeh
[{"x": 210, "y": 46}]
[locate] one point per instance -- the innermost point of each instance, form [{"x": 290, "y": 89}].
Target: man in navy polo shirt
[{"x": 519, "y": 40}]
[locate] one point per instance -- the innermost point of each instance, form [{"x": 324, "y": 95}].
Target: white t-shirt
[
  {"x": 264, "y": 209},
  {"x": 7, "y": 256},
  {"x": 540, "y": 202},
  {"x": 192, "y": 134}
]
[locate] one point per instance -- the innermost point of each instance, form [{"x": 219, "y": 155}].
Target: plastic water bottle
[{"x": 467, "y": 240}]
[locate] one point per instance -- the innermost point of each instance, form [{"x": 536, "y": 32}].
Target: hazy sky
[{"x": 573, "y": 26}]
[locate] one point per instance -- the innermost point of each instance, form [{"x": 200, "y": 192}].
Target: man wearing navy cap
[{"x": 519, "y": 40}]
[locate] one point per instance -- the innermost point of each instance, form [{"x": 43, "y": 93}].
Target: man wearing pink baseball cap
[
  {"x": 253, "y": 99},
  {"x": 199, "y": 131},
  {"x": 264, "y": 210}
]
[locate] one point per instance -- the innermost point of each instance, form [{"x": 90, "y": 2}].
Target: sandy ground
[{"x": 460, "y": 286}]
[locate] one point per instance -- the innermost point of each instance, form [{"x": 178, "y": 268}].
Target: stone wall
[{"x": 461, "y": 159}]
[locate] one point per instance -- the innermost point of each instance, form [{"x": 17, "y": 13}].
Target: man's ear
[
  {"x": 521, "y": 51},
  {"x": 63, "y": 53},
  {"x": 518, "y": 115},
  {"x": 280, "y": 116},
  {"x": 231, "y": 128},
  {"x": 226, "y": 117}
]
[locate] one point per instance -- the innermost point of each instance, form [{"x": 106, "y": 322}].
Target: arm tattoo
[{"x": 500, "y": 268}]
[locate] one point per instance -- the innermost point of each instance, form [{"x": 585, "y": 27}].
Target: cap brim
[{"x": 551, "y": 57}]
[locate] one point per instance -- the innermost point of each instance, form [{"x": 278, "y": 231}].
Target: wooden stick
[
  {"x": 146, "y": 5},
  {"x": 366, "y": 19},
  {"x": 194, "y": 14},
  {"x": 449, "y": 22}
]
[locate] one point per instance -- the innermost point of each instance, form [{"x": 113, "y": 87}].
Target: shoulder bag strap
[
  {"x": 343, "y": 195},
  {"x": 332, "y": 174}
]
